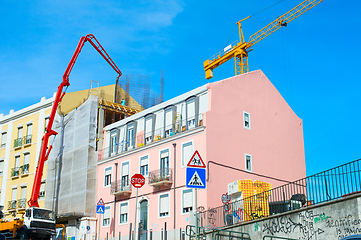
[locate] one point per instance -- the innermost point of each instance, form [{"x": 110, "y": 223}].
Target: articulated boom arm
[
  {"x": 33, "y": 202},
  {"x": 240, "y": 50}
]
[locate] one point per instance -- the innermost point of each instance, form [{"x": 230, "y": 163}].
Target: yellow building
[{"x": 22, "y": 132}]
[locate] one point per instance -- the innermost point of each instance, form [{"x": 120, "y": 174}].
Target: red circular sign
[{"x": 137, "y": 180}]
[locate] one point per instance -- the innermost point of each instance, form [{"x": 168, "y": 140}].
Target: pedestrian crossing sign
[
  {"x": 196, "y": 161},
  {"x": 100, "y": 209},
  {"x": 196, "y": 178}
]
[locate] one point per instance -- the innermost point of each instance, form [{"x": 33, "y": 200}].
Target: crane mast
[
  {"x": 239, "y": 50},
  {"x": 33, "y": 202}
]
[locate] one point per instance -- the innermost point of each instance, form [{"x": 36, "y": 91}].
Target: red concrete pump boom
[{"x": 33, "y": 202}]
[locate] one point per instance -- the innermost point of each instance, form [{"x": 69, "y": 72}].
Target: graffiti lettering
[
  {"x": 345, "y": 226},
  {"x": 321, "y": 217}
]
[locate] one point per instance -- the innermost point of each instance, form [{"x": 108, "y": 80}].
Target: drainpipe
[
  {"x": 174, "y": 161},
  {"x": 115, "y": 198}
]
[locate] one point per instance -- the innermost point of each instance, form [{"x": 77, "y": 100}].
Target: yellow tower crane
[{"x": 239, "y": 50}]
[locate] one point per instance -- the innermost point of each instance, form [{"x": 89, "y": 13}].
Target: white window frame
[
  {"x": 120, "y": 213},
  {"x": 110, "y": 215},
  {"x": 168, "y": 128},
  {"x": 121, "y": 171},
  {"x": 3, "y": 139},
  {"x": 159, "y": 196},
  {"x": 184, "y": 162},
  {"x": 42, "y": 193},
  {"x": 1, "y": 166},
  {"x": 110, "y": 182},
  {"x": 140, "y": 166},
  {"x": 191, "y": 120},
  {"x": 184, "y": 190},
  {"x": 113, "y": 142},
  {"x": 245, "y": 162},
  {"x": 249, "y": 120}
]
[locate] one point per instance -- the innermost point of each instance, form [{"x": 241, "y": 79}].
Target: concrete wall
[{"x": 328, "y": 221}]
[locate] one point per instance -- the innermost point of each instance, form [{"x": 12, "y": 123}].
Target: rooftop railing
[
  {"x": 322, "y": 187},
  {"x": 142, "y": 139}
]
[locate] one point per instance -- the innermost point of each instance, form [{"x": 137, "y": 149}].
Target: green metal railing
[
  {"x": 15, "y": 172},
  {"x": 226, "y": 234},
  {"x": 27, "y": 139},
  {"x": 18, "y": 142},
  {"x": 24, "y": 169}
]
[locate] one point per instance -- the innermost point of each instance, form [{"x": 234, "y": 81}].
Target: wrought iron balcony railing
[
  {"x": 121, "y": 187},
  {"x": 163, "y": 176},
  {"x": 27, "y": 139},
  {"x": 12, "y": 204},
  {"x": 21, "y": 203},
  {"x": 15, "y": 172},
  {"x": 24, "y": 169},
  {"x": 18, "y": 142}
]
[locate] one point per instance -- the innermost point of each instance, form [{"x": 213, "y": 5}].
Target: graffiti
[
  {"x": 256, "y": 227},
  {"x": 321, "y": 217},
  {"x": 200, "y": 209},
  {"x": 345, "y": 226},
  {"x": 212, "y": 215},
  {"x": 286, "y": 225},
  {"x": 155, "y": 226},
  {"x": 238, "y": 214}
]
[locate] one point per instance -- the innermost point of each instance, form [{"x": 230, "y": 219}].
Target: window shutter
[
  {"x": 17, "y": 162},
  {"x": 191, "y": 109},
  {"x": 23, "y": 192},
  {"x": 30, "y": 129},
  {"x": 168, "y": 118},
  {"x": 164, "y": 203},
  {"x": 1, "y": 166},
  {"x": 15, "y": 193},
  {"x": 187, "y": 152},
  {"x": 164, "y": 153},
  {"x": 42, "y": 187},
  {"x": 107, "y": 212},
  {"x": 144, "y": 161},
  {"x": 148, "y": 126},
  {"x": 123, "y": 208},
  {"x": 125, "y": 169},
  {"x": 20, "y": 132},
  {"x": 3, "y": 139},
  {"x": 187, "y": 198},
  {"x": 26, "y": 159},
  {"x": 108, "y": 171}
]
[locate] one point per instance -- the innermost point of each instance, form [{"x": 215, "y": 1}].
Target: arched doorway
[{"x": 144, "y": 219}]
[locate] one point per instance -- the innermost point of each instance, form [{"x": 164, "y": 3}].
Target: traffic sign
[
  {"x": 137, "y": 180},
  {"x": 100, "y": 209},
  {"x": 196, "y": 161},
  {"x": 196, "y": 178},
  {"x": 101, "y": 202}
]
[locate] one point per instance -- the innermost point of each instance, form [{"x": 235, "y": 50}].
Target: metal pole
[
  {"x": 165, "y": 230},
  {"x": 174, "y": 166},
  {"x": 115, "y": 198},
  {"x": 119, "y": 235},
  {"x": 99, "y": 225},
  {"x": 196, "y": 215},
  {"x": 130, "y": 231},
  {"x": 135, "y": 220},
  {"x": 151, "y": 234}
]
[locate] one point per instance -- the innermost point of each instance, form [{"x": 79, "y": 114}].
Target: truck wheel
[{"x": 23, "y": 235}]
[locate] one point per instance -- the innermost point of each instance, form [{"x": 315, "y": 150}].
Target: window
[
  {"x": 46, "y": 122},
  {"x": 106, "y": 217},
  {"x": 107, "y": 176},
  {"x": 130, "y": 136},
  {"x": 29, "y": 130},
  {"x": 148, "y": 129},
  {"x": 248, "y": 162},
  {"x": 20, "y": 132},
  {"x": 3, "y": 139},
  {"x": 15, "y": 171},
  {"x": 164, "y": 205},
  {"x": 113, "y": 142},
  {"x": 187, "y": 200},
  {"x": 164, "y": 163},
  {"x": 25, "y": 167},
  {"x": 144, "y": 165},
  {"x": 22, "y": 203},
  {"x": 191, "y": 113},
  {"x": 1, "y": 166},
  {"x": 42, "y": 190},
  {"x": 247, "y": 120},
  {"x": 125, "y": 174},
  {"x": 15, "y": 194},
  {"x": 187, "y": 152},
  {"x": 168, "y": 122},
  {"x": 124, "y": 212}
]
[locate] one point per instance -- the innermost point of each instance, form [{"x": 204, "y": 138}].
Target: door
[{"x": 144, "y": 219}]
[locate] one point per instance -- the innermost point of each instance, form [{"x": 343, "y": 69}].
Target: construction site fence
[
  {"x": 335, "y": 183},
  {"x": 142, "y": 138}
]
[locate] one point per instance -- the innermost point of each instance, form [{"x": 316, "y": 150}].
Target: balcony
[
  {"x": 24, "y": 169},
  {"x": 15, "y": 172},
  {"x": 12, "y": 205},
  {"x": 142, "y": 138},
  {"x": 121, "y": 188},
  {"x": 21, "y": 203},
  {"x": 161, "y": 177},
  {"x": 27, "y": 139},
  {"x": 18, "y": 142}
]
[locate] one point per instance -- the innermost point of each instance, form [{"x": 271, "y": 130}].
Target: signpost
[
  {"x": 196, "y": 178},
  {"x": 100, "y": 209},
  {"x": 138, "y": 181}
]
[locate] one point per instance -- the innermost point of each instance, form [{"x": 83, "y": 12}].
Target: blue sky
[{"x": 314, "y": 62}]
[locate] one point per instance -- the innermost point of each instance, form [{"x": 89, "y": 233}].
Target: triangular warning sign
[
  {"x": 195, "y": 180},
  {"x": 101, "y": 202},
  {"x": 196, "y": 161},
  {"x": 100, "y": 209}
]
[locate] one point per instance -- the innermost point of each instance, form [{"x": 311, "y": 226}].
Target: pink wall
[
  {"x": 275, "y": 140},
  {"x": 149, "y": 192}
]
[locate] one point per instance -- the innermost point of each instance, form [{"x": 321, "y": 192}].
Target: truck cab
[{"x": 39, "y": 223}]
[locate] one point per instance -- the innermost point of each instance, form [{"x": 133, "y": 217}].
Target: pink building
[{"x": 241, "y": 122}]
